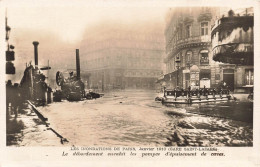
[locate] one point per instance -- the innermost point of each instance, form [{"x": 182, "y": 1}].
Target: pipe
[
  {"x": 77, "y": 63},
  {"x": 35, "y": 43}
]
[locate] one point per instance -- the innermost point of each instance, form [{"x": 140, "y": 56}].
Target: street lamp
[
  {"x": 103, "y": 80},
  {"x": 177, "y": 61},
  {"x": 7, "y": 29}
]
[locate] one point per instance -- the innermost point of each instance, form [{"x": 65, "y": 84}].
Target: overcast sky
[{"x": 68, "y": 19}]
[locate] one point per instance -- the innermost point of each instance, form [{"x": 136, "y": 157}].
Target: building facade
[
  {"x": 117, "y": 57},
  {"x": 233, "y": 45},
  {"x": 189, "y": 59}
]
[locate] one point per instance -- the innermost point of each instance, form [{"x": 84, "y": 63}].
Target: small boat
[{"x": 159, "y": 97}]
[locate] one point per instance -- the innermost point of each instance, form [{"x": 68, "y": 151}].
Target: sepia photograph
[
  {"x": 177, "y": 76},
  {"x": 113, "y": 74}
]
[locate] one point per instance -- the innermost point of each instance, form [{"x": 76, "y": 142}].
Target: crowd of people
[{"x": 13, "y": 99}]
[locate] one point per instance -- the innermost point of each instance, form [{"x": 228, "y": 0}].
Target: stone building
[
  {"x": 189, "y": 59},
  {"x": 233, "y": 45},
  {"x": 119, "y": 56}
]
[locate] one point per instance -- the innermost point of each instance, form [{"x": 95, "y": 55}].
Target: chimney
[
  {"x": 35, "y": 43},
  {"x": 77, "y": 63}
]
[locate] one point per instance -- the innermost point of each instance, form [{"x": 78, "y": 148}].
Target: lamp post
[
  {"x": 177, "y": 66},
  {"x": 188, "y": 64},
  {"x": 7, "y": 29},
  {"x": 103, "y": 80},
  {"x": 10, "y": 54},
  {"x": 177, "y": 61}
]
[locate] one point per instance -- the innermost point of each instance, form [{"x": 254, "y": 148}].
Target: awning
[{"x": 234, "y": 54}]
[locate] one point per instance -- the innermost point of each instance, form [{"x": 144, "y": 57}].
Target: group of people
[{"x": 13, "y": 99}]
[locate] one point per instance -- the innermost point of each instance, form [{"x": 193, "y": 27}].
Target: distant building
[
  {"x": 121, "y": 57},
  {"x": 233, "y": 44},
  {"x": 189, "y": 59}
]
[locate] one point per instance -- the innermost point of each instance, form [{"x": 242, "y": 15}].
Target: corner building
[
  {"x": 188, "y": 51},
  {"x": 233, "y": 45}
]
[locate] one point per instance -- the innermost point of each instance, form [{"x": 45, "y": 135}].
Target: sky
[
  {"x": 69, "y": 22},
  {"x": 52, "y": 20},
  {"x": 55, "y": 24},
  {"x": 68, "y": 19}
]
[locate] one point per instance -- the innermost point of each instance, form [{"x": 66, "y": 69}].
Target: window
[
  {"x": 182, "y": 60},
  {"x": 249, "y": 74},
  {"x": 188, "y": 58},
  {"x": 204, "y": 57},
  {"x": 177, "y": 60},
  {"x": 204, "y": 28},
  {"x": 188, "y": 31}
]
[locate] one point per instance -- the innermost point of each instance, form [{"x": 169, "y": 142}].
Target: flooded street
[{"x": 133, "y": 118}]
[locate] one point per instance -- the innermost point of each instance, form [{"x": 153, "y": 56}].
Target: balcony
[
  {"x": 188, "y": 42},
  {"x": 232, "y": 40},
  {"x": 234, "y": 53}
]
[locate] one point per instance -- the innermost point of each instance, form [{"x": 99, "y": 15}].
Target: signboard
[
  {"x": 186, "y": 71},
  {"x": 205, "y": 82},
  {"x": 194, "y": 76},
  {"x": 194, "y": 85}
]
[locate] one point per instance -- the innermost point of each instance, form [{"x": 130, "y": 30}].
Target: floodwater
[{"x": 133, "y": 118}]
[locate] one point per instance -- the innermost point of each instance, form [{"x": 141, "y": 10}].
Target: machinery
[
  {"x": 72, "y": 88},
  {"x": 33, "y": 86}
]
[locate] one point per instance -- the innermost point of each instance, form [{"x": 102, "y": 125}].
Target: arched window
[
  {"x": 204, "y": 57},
  {"x": 177, "y": 61},
  {"x": 188, "y": 31},
  {"x": 188, "y": 58}
]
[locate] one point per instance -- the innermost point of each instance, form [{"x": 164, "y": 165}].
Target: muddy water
[{"x": 133, "y": 118}]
